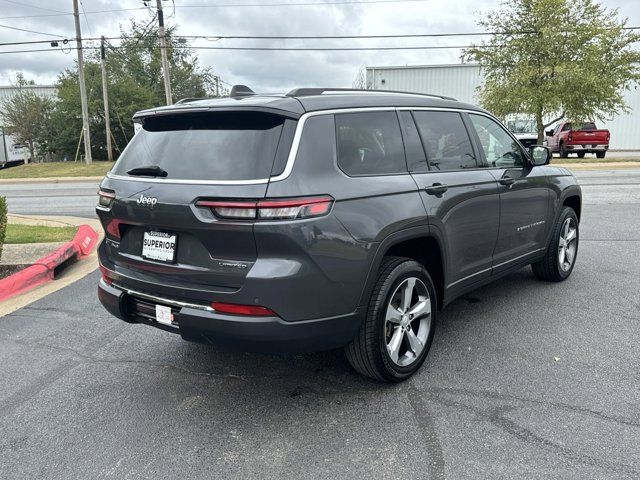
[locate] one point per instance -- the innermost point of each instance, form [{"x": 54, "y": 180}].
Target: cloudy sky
[{"x": 265, "y": 71}]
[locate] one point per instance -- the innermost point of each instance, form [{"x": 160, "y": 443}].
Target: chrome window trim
[{"x": 293, "y": 152}]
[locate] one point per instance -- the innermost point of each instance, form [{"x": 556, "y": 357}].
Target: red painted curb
[{"x": 42, "y": 270}]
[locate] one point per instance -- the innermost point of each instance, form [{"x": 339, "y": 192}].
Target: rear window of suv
[{"x": 205, "y": 145}]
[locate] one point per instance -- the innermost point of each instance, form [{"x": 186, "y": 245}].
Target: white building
[
  {"x": 9, "y": 150},
  {"x": 461, "y": 81}
]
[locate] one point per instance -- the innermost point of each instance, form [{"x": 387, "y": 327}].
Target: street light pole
[
  {"x": 83, "y": 88},
  {"x": 163, "y": 53}
]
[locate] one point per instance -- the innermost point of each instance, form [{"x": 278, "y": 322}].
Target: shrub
[{"x": 3, "y": 221}]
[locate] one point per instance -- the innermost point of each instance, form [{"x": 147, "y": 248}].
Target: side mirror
[
  {"x": 539, "y": 155},
  {"x": 549, "y": 133}
]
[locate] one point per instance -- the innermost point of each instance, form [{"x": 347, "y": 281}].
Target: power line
[
  {"x": 229, "y": 5},
  {"x": 274, "y": 49},
  {"x": 86, "y": 19},
  {"x": 22, "y": 4},
  {"x": 301, "y": 37},
  {"x": 33, "y": 31}
]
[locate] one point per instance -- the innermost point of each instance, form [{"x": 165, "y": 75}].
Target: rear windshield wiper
[{"x": 148, "y": 171}]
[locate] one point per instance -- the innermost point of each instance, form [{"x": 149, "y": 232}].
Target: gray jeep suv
[{"x": 325, "y": 218}]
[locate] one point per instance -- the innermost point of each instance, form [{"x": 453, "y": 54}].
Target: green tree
[
  {"x": 27, "y": 116},
  {"x": 134, "y": 76},
  {"x": 553, "y": 59}
]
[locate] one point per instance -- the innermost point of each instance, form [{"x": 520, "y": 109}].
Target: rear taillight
[
  {"x": 570, "y": 136},
  {"x": 271, "y": 209},
  {"x": 105, "y": 198},
  {"x": 247, "y": 310}
]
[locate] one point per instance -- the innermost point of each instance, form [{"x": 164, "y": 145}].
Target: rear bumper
[
  {"x": 587, "y": 148},
  {"x": 199, "y": 323}
]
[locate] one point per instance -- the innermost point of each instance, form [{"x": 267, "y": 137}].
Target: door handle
[
  {"x": 436, "y": 189},
  {"x": 507, "y": 181}
]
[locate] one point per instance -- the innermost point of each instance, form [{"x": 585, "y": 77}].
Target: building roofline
[
  {"x": 16, "y": 87},
  {"x": 444, "y": 65}
]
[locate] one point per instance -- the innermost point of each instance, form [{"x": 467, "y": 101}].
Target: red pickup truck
[{"x": 587, "y": 138}]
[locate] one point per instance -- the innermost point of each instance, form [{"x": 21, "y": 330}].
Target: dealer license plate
[
  {"x": 164, "y": 315},
  {"x": 160, "y": 246}
]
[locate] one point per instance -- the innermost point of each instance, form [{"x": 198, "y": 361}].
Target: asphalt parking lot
[{"x": 525, "y": 380}]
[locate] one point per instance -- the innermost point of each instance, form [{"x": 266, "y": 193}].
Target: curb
[{"x": 42, "y": 270}]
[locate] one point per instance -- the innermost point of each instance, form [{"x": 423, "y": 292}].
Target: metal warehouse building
[{"x": 460, "y": 82}]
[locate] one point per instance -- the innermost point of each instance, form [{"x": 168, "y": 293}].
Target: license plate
[
  {"x": 164, "y": 315},
  {"x": 160, "y": 246}
]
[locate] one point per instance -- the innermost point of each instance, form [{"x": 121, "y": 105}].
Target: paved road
[
  {"x": 79, "y": 198},
  {"x": 525, "y": 380},
  {"x": 72, "y": 198}
]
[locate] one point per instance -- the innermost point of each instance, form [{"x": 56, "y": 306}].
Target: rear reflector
[
  {"x": 247, "y": 310},
  {"x": 271, "y": 209},
  {"x": 105, "y": 278}
]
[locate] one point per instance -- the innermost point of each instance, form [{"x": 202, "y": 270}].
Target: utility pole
[
  {"x": 163, "y": 52},
  {"x": 105, "y": 97},
  {"x": 83, "y": 88}
]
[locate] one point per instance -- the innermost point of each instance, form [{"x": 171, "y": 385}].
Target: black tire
[
  {"x": 563, "y": 151},
  {"x": 600, "y": 154},
  {"x": 549, "y": 268},
  {"x": 367, "y": 353},
  {"x": 581, "y": 154}
]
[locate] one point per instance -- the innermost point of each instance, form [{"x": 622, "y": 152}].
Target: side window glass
[
  {"x": 566, "y": 126},
  {"x": 416, "y": 159},
  {"x": 500, "y": 149},
  {"x": 369, "y": 143},
  {"x": 445, "y": 140}
]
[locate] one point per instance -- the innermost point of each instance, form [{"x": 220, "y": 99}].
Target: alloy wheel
[
  {"x": 568, "y": 244},
  {"x": 407, "y": 321}
]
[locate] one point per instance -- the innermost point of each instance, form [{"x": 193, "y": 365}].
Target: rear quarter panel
[{"x": 339, "y": 249}]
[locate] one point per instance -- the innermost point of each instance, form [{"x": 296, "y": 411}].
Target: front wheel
[
  {"x": 396, "y": 335},
  {"x": 561, "y": 254}
]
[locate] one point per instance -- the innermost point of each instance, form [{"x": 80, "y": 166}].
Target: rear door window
[
  {"x": 370, "y": 143},
  {"x": 445, "y": 140},
  {"x": 206, "y": 146}
]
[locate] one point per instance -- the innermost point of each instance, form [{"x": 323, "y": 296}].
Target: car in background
[
  {"x": 525, "y": 130},
  {"x": 581, "y": 138}
]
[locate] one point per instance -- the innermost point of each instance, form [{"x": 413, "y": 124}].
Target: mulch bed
[{"x": 6, "y": 270}]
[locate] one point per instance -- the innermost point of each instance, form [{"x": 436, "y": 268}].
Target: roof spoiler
[
  {"x": 240, "y": 91},
  {"x": 303, "y": 92}
]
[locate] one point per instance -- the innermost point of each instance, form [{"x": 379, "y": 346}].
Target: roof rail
[
  {"x": 239, "y": 91},
  {"x": 189, "y": 99},
  {"x": 303, "y": 92}
]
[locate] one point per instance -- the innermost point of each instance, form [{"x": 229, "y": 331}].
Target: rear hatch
[{"x": 156, "y": 233}]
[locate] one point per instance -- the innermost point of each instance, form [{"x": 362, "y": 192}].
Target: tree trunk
[
  {"x": 539, "y": 127},
  {"x": 31, "y": 152}
]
